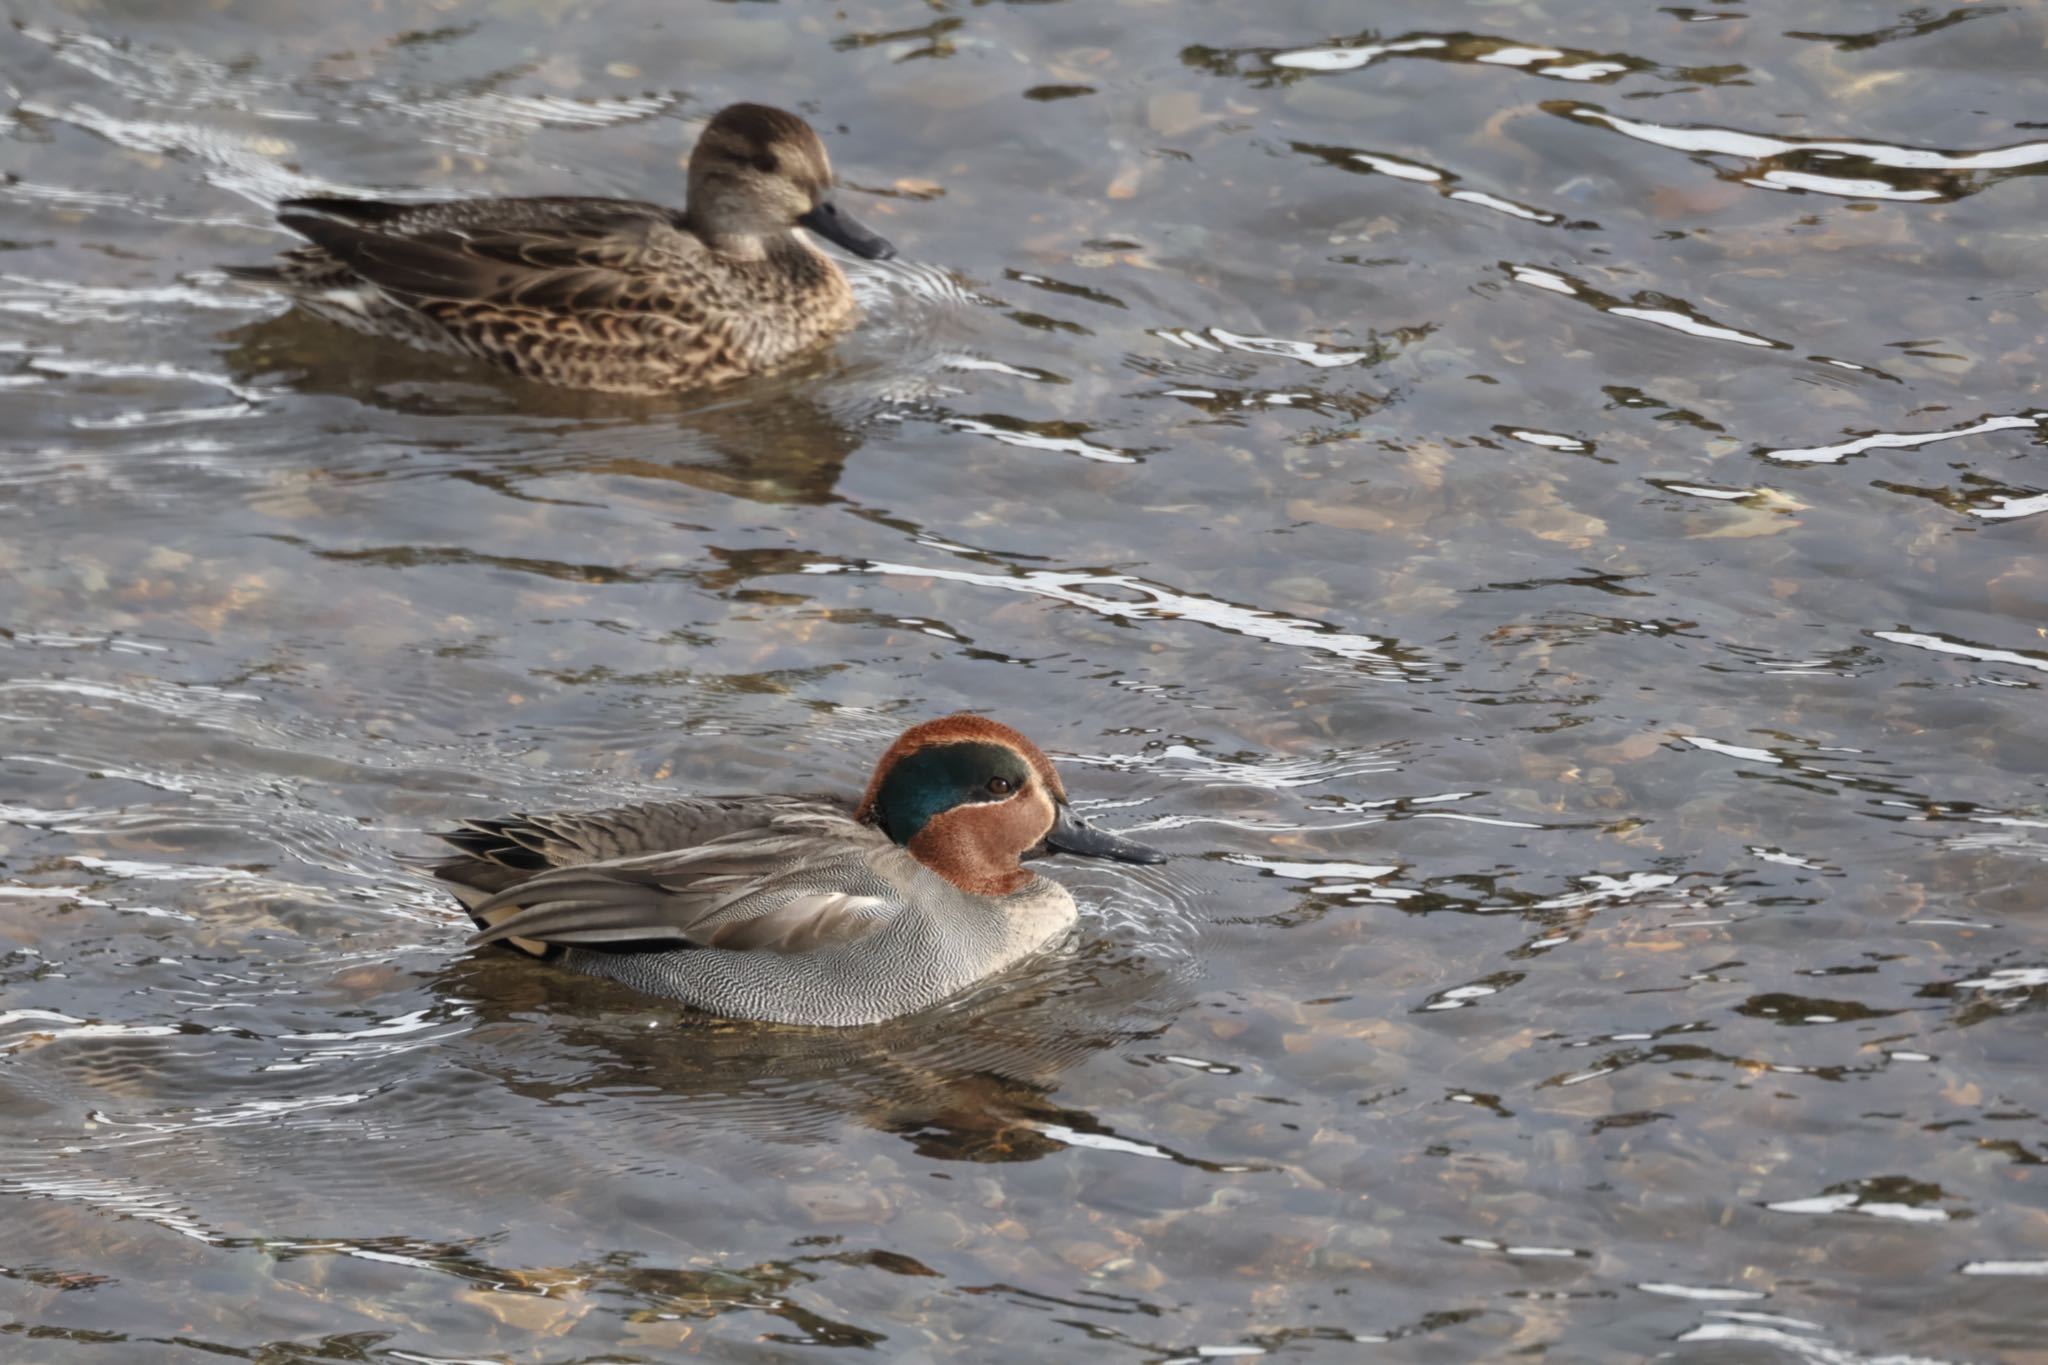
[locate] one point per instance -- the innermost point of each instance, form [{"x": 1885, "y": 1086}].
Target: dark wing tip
[
  {"x": 364, "y": 211},
  {"x": 393, "y": 262},
  {"x": 512, "y": 841}
]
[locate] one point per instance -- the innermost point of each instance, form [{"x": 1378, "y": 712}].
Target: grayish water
[{"x": 1540, "y": 507}]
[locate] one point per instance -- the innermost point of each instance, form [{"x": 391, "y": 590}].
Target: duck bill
[
  {"x": 1071, "y": 834},
  {"x": 842, "y": 231}
]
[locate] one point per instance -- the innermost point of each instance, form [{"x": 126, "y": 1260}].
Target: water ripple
[
  {"x": 2037, "y": 660},
  {"x": 1269, "y": 64},
  {"x": 248, "y": 164},
  {"x": 1657, "y": 309},
  {"x": 1145, "y": 600},
  {"x": 164, "y": 76},
  {"x": 1853, "y": 168},
  {"x": 1445, "y": 183},
  {"x": 1891, "y": 440}
]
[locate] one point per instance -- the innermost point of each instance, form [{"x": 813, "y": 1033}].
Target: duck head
[
  {"x": 756, "y": 173},
  {"x": 970, "y": 797}
]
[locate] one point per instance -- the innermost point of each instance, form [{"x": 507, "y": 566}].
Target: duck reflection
[
  {"x": 779, "y": 439},
  {"x": 971, "y": 1081}
]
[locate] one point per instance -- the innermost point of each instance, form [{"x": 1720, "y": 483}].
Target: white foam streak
[
  {"x": 1313, "y": 871},
  {"x": 1153, "y": 602},
  {"x": 1308, "y": 352},
  {"x": 1102, "y": 1142},
  {"x": 1755, "y": 146},
  {"x": 1498, "y": 205},
  {"x": 1691, "y": 326},
  {"x": 1549, "y": 440},
  {"x": 1849, "y": 1202},
  {"x": 1941, "y": 646},
  {"x": 1742, "y": 751},
  {"x": 1351, "y": 58},
  {"x": 2009, "y": 506},
  {"x": 1804, "y": 1348},
  {"x": 1060, "y": 445},
  {"x": 1848, "y": 189},
  {"x": 1543, "y": 279},
  {"x": 2008, "y": 979},
  {"x": 1519, "y": 56},
  {"x": 1400, "y": 170},
  {"x": 1600, "y": 887},
  {"x": 1892, "y": 440}
]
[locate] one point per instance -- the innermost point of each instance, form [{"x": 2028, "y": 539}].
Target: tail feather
[
  {"x": 472, "y": 882},
  {"x": 400, "y": 265},
  {"x": 269, "y": 275},
  {"x": 320, "y": 220},
  {"x": 362, "y": 211}
]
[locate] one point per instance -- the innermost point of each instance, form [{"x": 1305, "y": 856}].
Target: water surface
[{"x": 1539, "y": 507}]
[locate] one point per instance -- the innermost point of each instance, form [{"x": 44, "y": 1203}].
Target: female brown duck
[{"x": 605, "y": 294}]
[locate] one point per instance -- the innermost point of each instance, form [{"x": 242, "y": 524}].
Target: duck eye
[
  {"x": 1001, "y": 786},
  {"x": 765, "y": 163}
]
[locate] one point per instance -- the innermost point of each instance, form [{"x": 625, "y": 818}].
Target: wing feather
[
  {"x": 753, "y": 896},
  {"x": 770, "y": 874},
  {"x": 562, "y": 255}
]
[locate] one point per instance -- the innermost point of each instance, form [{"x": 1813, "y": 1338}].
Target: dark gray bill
[
  {"x": 1071, "y": 834},
  {"x": 839, "y": 229}
]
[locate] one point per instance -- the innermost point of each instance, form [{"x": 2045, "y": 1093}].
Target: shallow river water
[{"x": 1540, "y": 507}]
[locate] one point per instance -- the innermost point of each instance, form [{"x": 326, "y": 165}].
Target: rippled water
[{"x": 1540, "y": 507}]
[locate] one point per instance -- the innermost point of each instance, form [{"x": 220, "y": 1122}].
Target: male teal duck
[
  {"x": 603, "y": 294},
  {"x": 797, "y": 909}
]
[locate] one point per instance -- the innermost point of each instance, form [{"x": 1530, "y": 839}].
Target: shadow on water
[
  {"x": 255, "y": 1134},
  {"x": 780, "y": 438},
  {"x": 972, "y": 1081},
  {"x": 769, "y": 440}
]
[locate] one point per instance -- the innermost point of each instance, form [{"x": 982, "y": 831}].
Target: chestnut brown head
[{"x": 970, "y": 797}]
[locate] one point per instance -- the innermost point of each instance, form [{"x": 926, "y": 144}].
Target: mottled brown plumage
[{"x": 604, "y": 294}]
